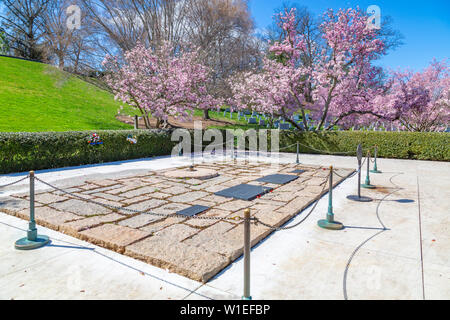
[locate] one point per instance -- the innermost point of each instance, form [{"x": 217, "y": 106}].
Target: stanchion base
[
  {"x": 376, "y": 171},
  {"x": 25, "y": 244},
  {"x": 359, "y": 199},
  {"x": 368, "y": 186},
  {"x": 325, "y": 224},
  {"x": 247, "y": 298}
]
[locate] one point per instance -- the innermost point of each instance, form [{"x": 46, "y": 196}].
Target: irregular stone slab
[
  {"x": 194, "y": 263},
  {"x": 267, "y": 208},
  {"x": 177, "y": 190},
  {"x": 283, "y": 196},
  {"x": 140, "y": 221},
  {"x": 162, "y": 224},
  {"x": 297, "y": 205},
  {"x": 152, "y": 180},
  {"x": 170, "y": 208},
  {"x": 110, "y": 197},
  {"x": 113, "y": 237},
  {"x": 135, "y": 199},
  {"x": 14, "y": 204},
  {"x": 203, "y": 203},
  {"x": 72, "y": 228},
  {"x": 145, "y": 191},
  {"x": 88, "y": 186},
  {"x": 213, "y": 239},
  {"x": 177, "y": 233},
  {"x": 103, "y": 189},
  {"x": 160, "y": 195},
  {"x": 314, "y": 190},
  {"x": 188, "y": 197},
  {"x": 213, "y": 213},
  {"x": 79, "y": 207},
  {"x": 121, "y": 190},
  {"x": 48, "y": 217},
  {"x": 198, "y": 173},
  {"x": 146, "y": 205},
  {"x": 103, "y": 183},
  {"x": 215, "y": 188},
  {"x": 234, "y": 205},
  {"x": 214, "y": 231},
  {"x": 316, "y": 181},
  {"x": 71, "y": 190},
  {"x": 46, "y": 198}
]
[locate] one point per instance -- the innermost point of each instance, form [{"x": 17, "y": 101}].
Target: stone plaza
[{"x": 137, "y": 213}]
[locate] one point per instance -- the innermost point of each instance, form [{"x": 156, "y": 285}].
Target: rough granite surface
[{"x": 195, "y": 248}]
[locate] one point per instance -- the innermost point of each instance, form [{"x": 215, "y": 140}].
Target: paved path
[{"x": 391, "y": 249}]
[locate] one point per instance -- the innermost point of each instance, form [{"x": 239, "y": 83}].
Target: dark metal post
[
  {"x": 367, "y": 184},
  {"x": 375, "y": 168},
  {"x": 358, "y": 197},
  {"x": 330, "y": 214},
  {"x": 359, "y": 178},
  {"x": 298, "y": 151},
  {"x": 32, "y": 231},
  {"x": 136, "y": 122},
  {"x": 32, "y": 241},
  {"x": 329, "y": 223},
  {"x": 247, "y": 248}
]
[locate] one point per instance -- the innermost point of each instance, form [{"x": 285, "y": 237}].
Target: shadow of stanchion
[
  {"x": 69, "y": 247},
  {"x": 366, "y": 228},
  {"x": 398, "y": 200}
]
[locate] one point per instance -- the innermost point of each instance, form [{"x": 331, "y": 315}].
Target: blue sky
[{"x": 425, "y": 26}]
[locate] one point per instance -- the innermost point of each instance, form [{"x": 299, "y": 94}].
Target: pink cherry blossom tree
[
  {"x": 420, "y": 101},
  {"x": 160, "y": 82},
  {"x": 337, "y": 86}
]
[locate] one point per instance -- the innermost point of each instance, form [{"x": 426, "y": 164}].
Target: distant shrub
[{"x": 35, "y": 151}]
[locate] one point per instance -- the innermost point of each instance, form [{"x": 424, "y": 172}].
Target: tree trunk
[
  {"x": 61, "y": 61},
  {"x": 206, "y": 115}
]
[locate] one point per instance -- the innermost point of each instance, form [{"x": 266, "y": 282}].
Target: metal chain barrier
[
  {"x": 323, "y": 151},
  {"x": 236, "y": 218},
  {"x": 15, "y": 182},
  {"x": 284, "y": 148},
  {"x": 257, "y": 221},
  {"x": 353, "y": 174}
]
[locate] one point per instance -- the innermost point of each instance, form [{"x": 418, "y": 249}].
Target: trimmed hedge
[
  {"x": 395, "y": 145},
  {"x": 21, "y": 152},
  {"x": 36, "y": 151}
]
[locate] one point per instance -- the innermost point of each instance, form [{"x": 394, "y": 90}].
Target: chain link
[{"x": 15, "y": 182}]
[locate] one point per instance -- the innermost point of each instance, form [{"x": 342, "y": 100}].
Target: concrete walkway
[{"x": 396, "y": 247}]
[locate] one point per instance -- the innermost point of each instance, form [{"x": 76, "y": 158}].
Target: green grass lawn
[{"x": 35, "y": 97}]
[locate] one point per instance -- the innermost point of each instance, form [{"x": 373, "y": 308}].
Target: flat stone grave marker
[
  {"x": 252, "y": 121},
  {"x": 298, "y": 171},
  {"x": 278, "y": 178},
  {"x": 192, "y": 211},
  {"x": 244, "y": 192}
]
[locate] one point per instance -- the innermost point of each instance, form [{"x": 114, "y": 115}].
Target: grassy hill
[{"x": 35, "y": 97}]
